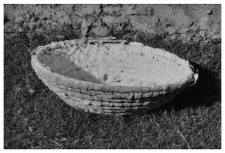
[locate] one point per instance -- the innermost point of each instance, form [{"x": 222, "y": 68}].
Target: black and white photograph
[{"x": 112, "y": 76}]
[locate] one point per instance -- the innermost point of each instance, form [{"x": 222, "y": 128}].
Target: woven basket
[{"x": 110, "y": 76}]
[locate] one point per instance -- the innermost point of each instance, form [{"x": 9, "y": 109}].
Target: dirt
[
  {"x": 186, "y": 22},
  {"x": 131, "y": 64}
]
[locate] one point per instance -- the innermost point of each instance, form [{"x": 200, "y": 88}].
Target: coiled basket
[{"x": 111, "y": 76}]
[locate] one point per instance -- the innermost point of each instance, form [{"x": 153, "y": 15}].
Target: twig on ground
[
  {"x": 182, "y": 136},
  {"x": 28, "y": 48}
]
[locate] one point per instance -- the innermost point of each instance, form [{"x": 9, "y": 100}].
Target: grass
[{"x": 34, "y": 117}]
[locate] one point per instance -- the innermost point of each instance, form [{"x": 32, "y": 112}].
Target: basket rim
[{"x": 90, "y": 86}]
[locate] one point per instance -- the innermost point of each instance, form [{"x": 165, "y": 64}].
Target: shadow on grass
[{"x": 205, "y": 92}]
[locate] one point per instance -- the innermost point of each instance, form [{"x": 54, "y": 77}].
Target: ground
[{"x": 34, "y": 117}]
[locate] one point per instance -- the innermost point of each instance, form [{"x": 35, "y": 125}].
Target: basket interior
[{"x": 117, "y": 64}]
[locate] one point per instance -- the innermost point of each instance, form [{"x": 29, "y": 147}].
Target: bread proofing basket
[{"x": 111, "y": 76}]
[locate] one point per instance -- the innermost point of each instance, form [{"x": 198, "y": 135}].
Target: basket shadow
[{"x": 205, "y": 92}]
